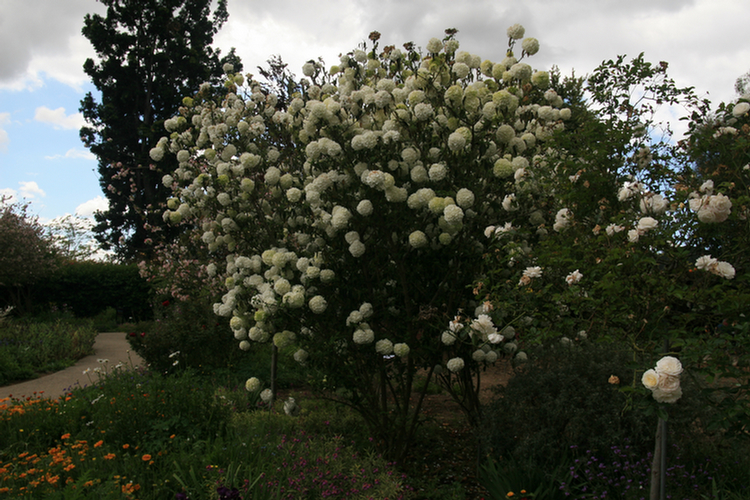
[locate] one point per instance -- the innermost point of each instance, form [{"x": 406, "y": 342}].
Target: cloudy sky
[{"x": 42, "y": 52}]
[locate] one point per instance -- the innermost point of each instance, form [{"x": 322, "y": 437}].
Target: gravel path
[{"x": 112, "y": 347}]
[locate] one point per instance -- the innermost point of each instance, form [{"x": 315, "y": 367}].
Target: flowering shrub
[{"x": 353, "y": 211}]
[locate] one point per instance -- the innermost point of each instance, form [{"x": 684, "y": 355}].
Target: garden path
[{"x": 112, "y": 347}]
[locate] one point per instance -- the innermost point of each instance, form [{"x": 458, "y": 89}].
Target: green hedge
[{"x": 89, "y": 288}]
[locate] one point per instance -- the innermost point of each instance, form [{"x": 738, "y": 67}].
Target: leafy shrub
[
  {"x": 185, "y": 334},
  {"x": 28, "y": 348},
  {"x": 563, "y": 398}
]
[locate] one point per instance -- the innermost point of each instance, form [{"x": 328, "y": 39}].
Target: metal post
[
  {"x": 274, "y": 356},
  {"x": 663, "y": 459}
]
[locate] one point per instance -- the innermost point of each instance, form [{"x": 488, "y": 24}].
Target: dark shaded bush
[
  {"x": 561, "y": 405},
  {"x": 88, "y": 288},
  {"x": 563, "y": 398},
  {"x": 186, "y": 334}
]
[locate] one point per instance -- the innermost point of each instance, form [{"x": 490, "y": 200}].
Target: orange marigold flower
[
  {"x": 146, "y": 457},
  {"x": 125, "y": 446},
  {"x": 98, "y": 443},
  {"x": 109, "y": 456},
  {"x": 65, "y": 436}
]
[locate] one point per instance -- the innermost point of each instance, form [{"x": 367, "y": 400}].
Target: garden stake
[{"x": 274, "y": 357}]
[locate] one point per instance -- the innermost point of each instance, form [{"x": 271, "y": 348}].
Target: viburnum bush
[{"x": 353, "y": 205}]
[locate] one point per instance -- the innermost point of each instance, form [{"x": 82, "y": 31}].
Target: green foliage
[
  {"x": 150, "y": 56},
  {"x": 562, "y": 398},
  {"x": 88, "y": 289},
  {"x": 162, "y": 435},
  {"x": 28, "y": 349},
  {"x": 186, "y": 335},
  {"x": 509, "y": 476},
  {"x": 27, "y": 256}
]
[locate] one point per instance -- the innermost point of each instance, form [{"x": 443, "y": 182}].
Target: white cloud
[
  {"x": 30, "y": 189},
  {"x": 76, "y": 154},
  {"x": 44, "y": 36},
  {"x": 58, "y": 119},
  {"x": 4, "y": 139},
  {"x": 88, "y": 208}
]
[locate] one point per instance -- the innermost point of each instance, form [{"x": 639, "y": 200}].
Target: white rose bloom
[
  {"x": 633, "y": 236},
  {"x": 613, "y": 229},
  {"x": 706, "y": 263},
  {"x": 562, "y": 219},
  {"x": 741, "y": 108},
  {"x": 455, "y": 364},
  {"x": 725, "y": 270},
  {"x": 573, "y": 277},
  {"x": 662, "y": 396},
  {"x": 646, "y": 224},
  {"x": 495, "y": 338},
  {"x": 266, "y": 396},
  {"x": 509, "y": 203},
  {"x": 655, "y": 204},
  {"x": 650, "y": 379},
  {"x": 533, "y": 272},
  {"x": 484, "y": 325}
]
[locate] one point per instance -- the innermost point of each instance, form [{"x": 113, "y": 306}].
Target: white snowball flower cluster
[
  {"x": 664, "y": 380},
  {"x": 252, "y": 384},
  {"x": 364, "y": 172}
]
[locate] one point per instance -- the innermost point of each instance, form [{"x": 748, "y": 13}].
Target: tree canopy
[{"x": 150, "y": 54}]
